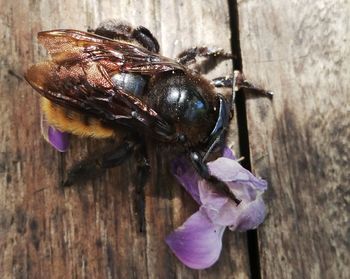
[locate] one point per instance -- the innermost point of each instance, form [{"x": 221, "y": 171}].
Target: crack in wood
[{"x": 243, "y": 136}]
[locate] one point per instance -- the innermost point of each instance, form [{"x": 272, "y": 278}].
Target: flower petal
[
  {"x": 228, "y": 170},
  {"x": 222, "y": 211},
  {"x": 187, "y": 176},
  {"x": 198, "y": 242},
  {"x": 213, "y": 204},
  {"x": 58, "y": 139},
  {"x": 228, "y": 153},
  {"x": 250, "y": 215},
  {"x": 209, "y": 197}
]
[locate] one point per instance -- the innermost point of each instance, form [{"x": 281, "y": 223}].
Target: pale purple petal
[
  {"x": 187, "y": 176},
  {"x": 214, "y": 204},
  {"x": 58, "y": 139},
  {"x": 208, "y": 195},
  {"x": 225, "y": 212},
  {"x": 250, "y": 215},
  {"x": 198, "y": 242},
  {"x": 228, "y": 170}
]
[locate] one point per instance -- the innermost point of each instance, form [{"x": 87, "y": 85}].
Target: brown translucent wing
[
  {"x": 71, "y": 46},
  {"x": 78, "y": 77}
]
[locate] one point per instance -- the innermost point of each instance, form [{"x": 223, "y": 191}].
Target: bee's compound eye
[{"x": 131, "y": 83}]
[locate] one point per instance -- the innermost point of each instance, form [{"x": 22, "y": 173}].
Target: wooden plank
[
  {"x": 300, "y": 140},
  {"x": 93, "y": 231}
]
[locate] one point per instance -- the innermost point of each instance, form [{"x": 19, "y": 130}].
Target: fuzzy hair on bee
[{"x": 73, "y": 122}]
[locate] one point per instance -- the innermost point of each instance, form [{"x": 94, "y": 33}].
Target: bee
[{"x": 113, "y": 79}]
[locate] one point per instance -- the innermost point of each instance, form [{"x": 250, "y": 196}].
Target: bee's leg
[
  {"x": 226, "y": 81},
  {"x": 144, "y": 37},
  {"x": 238, "y": 81},
  {"x": 199, "y": 165},
  {"x": 115, "y": 30},
  {"x": 96, "y": 166},
  {"x": 203, "y": 171},
  {"x": 188, "y": 56}
]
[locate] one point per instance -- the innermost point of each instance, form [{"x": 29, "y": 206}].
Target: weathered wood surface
[
  {"x": 93, "y": 231},
  {"x": 300, "y": 140}
]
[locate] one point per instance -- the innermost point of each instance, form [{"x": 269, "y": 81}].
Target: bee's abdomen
[{"x": 73, "y": 122}]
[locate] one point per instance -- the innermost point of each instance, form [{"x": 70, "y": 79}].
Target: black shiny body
[
  {"x": 184, "y": 103},
  {"x": 183, "y": 100}
]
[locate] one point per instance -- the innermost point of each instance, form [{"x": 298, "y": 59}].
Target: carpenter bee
[{"x": 113, "y": 80}]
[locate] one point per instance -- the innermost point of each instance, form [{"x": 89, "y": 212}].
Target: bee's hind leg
[
  {"x": 123, "y": 31},
  {"x": 95, "y": 166}
]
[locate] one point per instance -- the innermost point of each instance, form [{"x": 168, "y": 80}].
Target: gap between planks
[{"x": 243, "y": 137}]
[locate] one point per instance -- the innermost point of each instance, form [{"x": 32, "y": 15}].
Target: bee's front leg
[
  {"x": 199, "y": 164},
  {"x": 203, "y": 171},
  {"x": 96, "y": 165},
  {"x": 238, "y": 81}
]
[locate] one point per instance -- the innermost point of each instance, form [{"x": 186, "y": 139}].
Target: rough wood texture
[
  {"x": 300, "y": 140},
  {"x": 93, "y": 231}
]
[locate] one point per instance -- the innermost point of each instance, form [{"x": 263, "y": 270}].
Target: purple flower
[
  {"x": 59, "y": 140},
  {"x": 198, "y": 242}
]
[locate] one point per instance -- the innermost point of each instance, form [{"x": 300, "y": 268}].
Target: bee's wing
[
  {"x": 78, "y": 77},
  {"x": 72, "y": 46}
]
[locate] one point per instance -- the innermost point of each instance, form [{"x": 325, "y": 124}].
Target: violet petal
[
  {"x": 58, "y": 139},
  {"x": 187, "y": 176},
  {"x": 198, "y": 242},
  {"x": 209, "y": 197},
  {"x": 250, "y": 215},
  {"x": 228, "y": 170},
  {"x": 221, "y": 210},
  {"x": 228, "y": 153}
]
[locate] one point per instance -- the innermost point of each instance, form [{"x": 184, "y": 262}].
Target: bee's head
[{"x": 186, "y": 104}]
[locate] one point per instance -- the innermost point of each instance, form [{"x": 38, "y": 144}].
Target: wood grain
[
  {"x": 300, "y": 140},
  {"x": 93, "y": 231}
]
